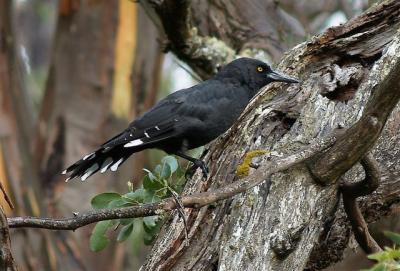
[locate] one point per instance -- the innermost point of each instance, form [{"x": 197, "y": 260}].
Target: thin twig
[
  {"x": 351, "y": 192},
  {"x": 194, "y": 201},
  {"x": 6, "y": 197},
  {"x": 181, "y": 210}
]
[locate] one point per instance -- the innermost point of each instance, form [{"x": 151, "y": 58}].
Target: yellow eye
[{"x": 260, "y": 69}]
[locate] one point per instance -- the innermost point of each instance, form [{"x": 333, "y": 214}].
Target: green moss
[{"x": 244, "y": 168}]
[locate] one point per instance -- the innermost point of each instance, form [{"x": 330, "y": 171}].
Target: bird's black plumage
[{"x": 185, "y": 119}]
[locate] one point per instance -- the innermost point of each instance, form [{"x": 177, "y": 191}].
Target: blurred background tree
[{"x": 74, "y": 72}]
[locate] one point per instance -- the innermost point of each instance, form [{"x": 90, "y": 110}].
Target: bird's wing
[
  {"x": 156, "y": 125},
  {"x": 180, "y": 111}
]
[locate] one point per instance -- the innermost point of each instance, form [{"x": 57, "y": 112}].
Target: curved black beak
[{"x": 280, "y": 77}]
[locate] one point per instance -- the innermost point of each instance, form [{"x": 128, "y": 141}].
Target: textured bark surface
[
  {"x": 290, "y": 222},
  {"x": 248, "y": 26},
  {"x": 211, "y": 33}
]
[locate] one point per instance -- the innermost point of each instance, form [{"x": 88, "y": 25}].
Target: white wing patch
[
  {"x": 89, "y": 171},
  {"x": 106, "y": 164},
  {"x": 115, "y": 166},
  {"x": 133, "y": 143},
  {"x": 89, "y": 156}
]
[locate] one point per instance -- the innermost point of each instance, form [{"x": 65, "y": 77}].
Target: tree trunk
[
  {"x": 75, "y": 108},
  {"x": 16, "y": 121},
  {"x": 290, "y": 222}
]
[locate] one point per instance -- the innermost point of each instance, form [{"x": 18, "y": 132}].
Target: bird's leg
[{"x": 197, "y": 163}]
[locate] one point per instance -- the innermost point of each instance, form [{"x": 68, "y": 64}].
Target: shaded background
[{"x": 79, "y": 73}]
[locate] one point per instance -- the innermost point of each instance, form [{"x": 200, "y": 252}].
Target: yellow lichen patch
[{"x": 244, "y": 168}]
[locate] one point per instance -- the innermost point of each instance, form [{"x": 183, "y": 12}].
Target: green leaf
[
  {"x": 163, "y": 171},
  {"x": 126, "y": 221},
  {"x": 158, "y": 169},
  {"x": 171, "y": 161},
  {"x": 102, "y": 200},
  {"x": 150, "y": 221},
  {"x": 150, "y": 174},
  {"x": 393, "y": 254},
  {"x": 152, "y": 184},
  {"x": 379, "y": 256},
  {"x": 378, "y": 267},
  {"x": 138, "y": 196},
  {"x": 166, "y": 171},
  {"x": 125, "y": 232},
  {"x": 118, "y": 203},
  {"x": 395, "y": 237},
  {"x": 152, "y": 226},
  {"x": 180, "y": 174},
  {"x": 98, "y": 239},
  {"x": 148, "y": 238},
  {"x": 98, "y": 243},
  {"x": 136, "y": 239}
]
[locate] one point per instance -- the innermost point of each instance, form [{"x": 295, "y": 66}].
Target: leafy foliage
[
  {"x": 167, "y": 177},
  {"x": 389, "y": 258}
]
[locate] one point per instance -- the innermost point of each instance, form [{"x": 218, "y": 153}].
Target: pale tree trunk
[
  {"x": 74, "y": 110},
  {"x": 145, "y": 77},
  {"x": 290, "y": 222}
]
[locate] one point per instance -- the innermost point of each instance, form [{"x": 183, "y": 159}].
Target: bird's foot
[{"x": 197, "y": 164}]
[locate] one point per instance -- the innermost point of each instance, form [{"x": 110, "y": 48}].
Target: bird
[{"x": 185, "y": 119}]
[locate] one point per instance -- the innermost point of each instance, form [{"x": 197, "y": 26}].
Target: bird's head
[{"x": 254, "y": 73}]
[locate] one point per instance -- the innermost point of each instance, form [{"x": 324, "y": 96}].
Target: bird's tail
[
  {"x": 116, "y": 150},
  {"x": 101, "y": 160}
]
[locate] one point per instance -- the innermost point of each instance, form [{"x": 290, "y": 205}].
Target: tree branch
[
  {"x": 195, "y": 201},
  {"x": 350, "y": 193},
  {"x": 204, "y": 54},
  {"x": 5, "y": 195}
]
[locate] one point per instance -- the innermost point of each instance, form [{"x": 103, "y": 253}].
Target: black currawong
[{"x": 185, "y": 119}]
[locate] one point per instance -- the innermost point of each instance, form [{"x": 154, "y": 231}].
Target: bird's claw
[
  {"x": 197, "y": 164},
  {"x": 204, "y": 169}
]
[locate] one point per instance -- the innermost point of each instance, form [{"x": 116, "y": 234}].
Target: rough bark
[
  {"x": 211, "y": 33},
  {"x": 248, "y": 25},
  {"x": 291, "y": 222}
]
